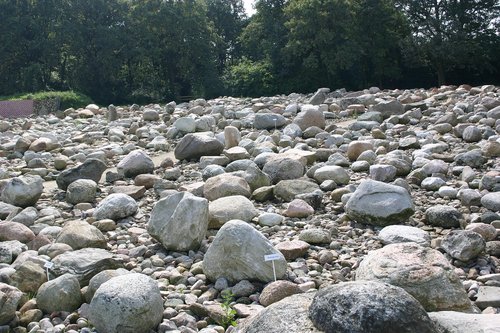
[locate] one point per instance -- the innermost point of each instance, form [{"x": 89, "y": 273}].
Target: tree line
[{"x": 121, "y": 51}]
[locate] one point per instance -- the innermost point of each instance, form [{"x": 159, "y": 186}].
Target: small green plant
[
  {"x": 31, "y": 295},
  {"x": 229, "y": 318}
]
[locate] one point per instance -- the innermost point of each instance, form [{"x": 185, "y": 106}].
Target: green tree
[{"x": 452, "y": 34}]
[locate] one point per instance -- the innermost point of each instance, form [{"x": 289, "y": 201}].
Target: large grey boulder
[
  {"x": 268, "y": 121},
  {"x": 192, "y": 147},
  {"x": 283, "y": 167},
  {"x": 179, "y": 222},
  {"x": 368, "y": 307},
  {"x": 332, "y": 172},
  {"x": 130, "y": 303},
  {"x": 84, "y": 263},
  {"x": 137, "y": 162},
  {"x": 237, "y": 253},
  {"x": 287, "y": 190},
  {"x": 491, "y": 201},
  {"x": 379, "y": 204},
  {"x": 443, "y": 216},
  {"x": 464, "y": 245},
  {"x": 115, "y": 206},
  {"x": 225, "y": 185},
  {"x": 9, "y": 250},
  {"x": 23, "y": 191},
  {"x": 60, "y": 294},
  {"x": 10, "y": 297},
  {"x": 459, "y": 322},
  {"x": 234, "y": 207},
  {"x": 310, "y": 115},
  {"x": 288, "y": 315},
  {"x": 402, "y": 234},
  {"x": 81, "y": 190},
  {"x": 421, "y": 271},
  {"x": 92, "y": 168},
  {"x": 79, "y": 234},
  {"x": 389, "y": 108}
]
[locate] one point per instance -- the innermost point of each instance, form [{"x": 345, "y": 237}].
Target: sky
[{"x": 248, "y": 7}]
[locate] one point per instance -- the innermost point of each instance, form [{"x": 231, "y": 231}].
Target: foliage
[
  {"x": 124, "y": 51},
  {"x": 68, "y": 99},
  {"x": 249, "y": 78},
  {"x": 449, "y": 35},
  {"x": 229, "y": 318}
]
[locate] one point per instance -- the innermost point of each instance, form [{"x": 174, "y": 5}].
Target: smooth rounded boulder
[
  {"x": 60, "y": 294},
  {"x": 115, "y": 206},
  {"x": 379, "y": 204},
  {"x": 423, "y": 272},
  {"x": 368, "y": 307},
  {"x": 237, "y": 253},
  {"x": 129, "y": 303},
  {"x": 23, "y": 191},
  {"x": 194, "y": 146}
]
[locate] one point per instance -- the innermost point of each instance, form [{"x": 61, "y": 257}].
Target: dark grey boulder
[
  {"x": 192, "y": 147},
  {"x": 368, "y": 307},
  {"x": 92, "y": 168}
]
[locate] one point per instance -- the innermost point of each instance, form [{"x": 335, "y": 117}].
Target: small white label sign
[
  {"x": 48, "y": 265},
  {"x": 271, "y": 257}
]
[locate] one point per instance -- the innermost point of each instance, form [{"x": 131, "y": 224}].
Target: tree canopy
[{"x": 123, "y": 51}]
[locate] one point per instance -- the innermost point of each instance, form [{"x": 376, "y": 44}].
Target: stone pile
[{"x": 374, "y": 211}]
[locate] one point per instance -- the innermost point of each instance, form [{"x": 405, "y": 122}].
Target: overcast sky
[{"x": 248, "y": 7}]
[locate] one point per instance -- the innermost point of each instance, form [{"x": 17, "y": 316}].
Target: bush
[
  {"x": 249, "y": 78},
  {"x": 69, "y": 99}
]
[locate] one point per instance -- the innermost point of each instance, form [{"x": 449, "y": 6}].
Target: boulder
[
  {"x": 294, "y": 249},
  {"x": 60, "y": 294},
  {"x": 23, "y": 191},
  {"x": 309, "y": 115},
  {"x": 402, "y": 234},
  {"x": 229, "y": 208},
  {"x": 368, "y": 307},
  {"x": 192, "y": 147},
  {"x": 79, "y": 235},
  {"x": 423, "y": 272},
  {"x": 459, "y": 322},
  {"x": 10, "y": 231},
  {"x": 443, "y": 216},
  {"x": 276, "y": 291},
  {"x": 84, "y": 263},
  {"x": 237, "y": 253},
  {"x": 29, "y": 276},
  {"x": 281, "y": 168},
  {"x": 268, "y": 121},
  {"x": 137, "y": 162},
  {"x": 179, "y": 222},
  {"x": 332, "y": 172},
  {"x": 10, "y": 297},
  {"x": 491, "y": 201},
  {"x": 389, "y": 108},
  {"x": 225, "y": 185},
  {"x": 81, "y": 190},
  {"x": 287, "y": 190},
  {"x": 379, "y": 204},
  {"x": 356, "y": 148},
  {"x": 92, "y": 168},
  {"x": 115, "y": 206},
  {"x": 288, "y": 315},
  {"x": 464, "y": 245},
  {"x": 129, "y": 303}
]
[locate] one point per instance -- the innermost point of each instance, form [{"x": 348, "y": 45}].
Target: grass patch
[{"x": 69, "y": 99}]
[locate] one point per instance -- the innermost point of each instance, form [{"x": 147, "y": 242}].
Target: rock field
[{"x": 375, "y": 211}]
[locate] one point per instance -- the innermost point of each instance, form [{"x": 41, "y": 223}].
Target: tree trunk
[{"x": 441, "y": 74}]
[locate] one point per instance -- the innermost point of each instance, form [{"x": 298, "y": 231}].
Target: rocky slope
[{"x": 178, "y": 218}]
